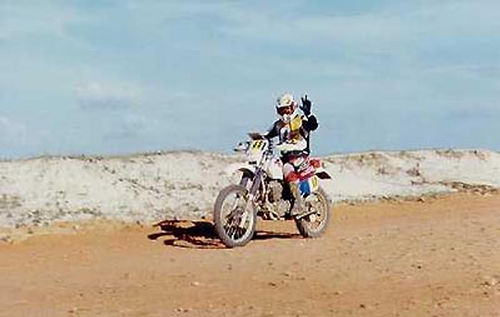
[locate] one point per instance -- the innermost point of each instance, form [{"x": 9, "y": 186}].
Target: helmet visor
[{"x": 285, "y": 110}]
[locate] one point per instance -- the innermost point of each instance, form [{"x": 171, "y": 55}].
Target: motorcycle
[{"x": 262, "y": 192}]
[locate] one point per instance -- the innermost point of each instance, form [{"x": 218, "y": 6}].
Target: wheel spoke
[
  {"x": 227, "y": 228},
  {"x": 231, "y": 232},
  {"x": 232, "y": 215},
  {"x": 236, "y": 233},
  {"x": 241, "y": 232}
]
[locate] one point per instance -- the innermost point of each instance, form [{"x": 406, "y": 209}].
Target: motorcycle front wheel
[
  {"x": 235, "y": 219},
  {"x": 317, "y": 218}
]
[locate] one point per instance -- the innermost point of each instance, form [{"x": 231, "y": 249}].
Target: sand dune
[{"x": 149, "y": 187}]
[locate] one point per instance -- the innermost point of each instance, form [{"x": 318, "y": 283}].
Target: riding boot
[{"x": 298, "y": 205}]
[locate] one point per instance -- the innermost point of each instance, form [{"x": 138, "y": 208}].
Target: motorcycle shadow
[{"x": 194, "y": 234}]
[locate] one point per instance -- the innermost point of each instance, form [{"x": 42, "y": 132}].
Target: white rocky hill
[{"x": 149, "y": 187}]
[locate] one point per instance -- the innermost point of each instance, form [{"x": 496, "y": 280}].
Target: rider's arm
[{"x": 272, "y": 132}]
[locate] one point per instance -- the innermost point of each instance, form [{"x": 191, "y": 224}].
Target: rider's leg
[{"x": 291, "y": 177}]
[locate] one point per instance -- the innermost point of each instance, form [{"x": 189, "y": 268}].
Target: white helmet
[{"x": 286, "y": 107}]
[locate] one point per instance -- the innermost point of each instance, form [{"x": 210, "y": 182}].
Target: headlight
[{"x": 242, "y": 147}]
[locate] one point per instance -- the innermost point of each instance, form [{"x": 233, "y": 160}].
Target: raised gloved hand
[{"x": 306, "y": 105}]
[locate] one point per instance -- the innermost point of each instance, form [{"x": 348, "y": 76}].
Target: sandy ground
[{"x": 434, "y": 258}]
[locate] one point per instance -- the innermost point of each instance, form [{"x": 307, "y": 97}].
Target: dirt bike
[{"x": 262, "y": 192}]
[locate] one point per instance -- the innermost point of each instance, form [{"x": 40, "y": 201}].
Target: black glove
[{"x": 306, "y": 105}]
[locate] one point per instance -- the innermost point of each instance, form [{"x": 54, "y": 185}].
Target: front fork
[{"x": 256, "y": 182}]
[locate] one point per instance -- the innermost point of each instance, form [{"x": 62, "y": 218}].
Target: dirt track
[{"x": 438, "y": 258}]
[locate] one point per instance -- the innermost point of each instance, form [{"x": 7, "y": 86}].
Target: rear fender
[{"x": 323, "y": 174}]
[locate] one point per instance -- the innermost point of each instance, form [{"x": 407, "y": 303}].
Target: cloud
[
  {"x": 106, "y": 96},
  {"x": 393, "y": 28},
  {"x": 167, "y": 72}
]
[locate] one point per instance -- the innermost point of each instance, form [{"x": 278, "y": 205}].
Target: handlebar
[{"x": 256, "y": 136}]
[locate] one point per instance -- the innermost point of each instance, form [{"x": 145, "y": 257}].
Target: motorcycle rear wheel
[
  {"x": 234, "y": 225},
  {"x": 315, "y": 224}
]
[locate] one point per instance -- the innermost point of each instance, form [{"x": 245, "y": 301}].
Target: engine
[
  {"x": 275, "y": 191},
  {"x": 279, "y": 207}
]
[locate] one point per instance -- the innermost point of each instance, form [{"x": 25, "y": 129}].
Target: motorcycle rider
[{"x": 293, "y": 130}]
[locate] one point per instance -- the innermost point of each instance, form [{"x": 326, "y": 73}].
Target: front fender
[
  {"x": 247, "y": 170},
  {"x": 240, "y": 167}
]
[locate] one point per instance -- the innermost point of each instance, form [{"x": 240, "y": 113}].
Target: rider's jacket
[{"x": 295, "y": 134}]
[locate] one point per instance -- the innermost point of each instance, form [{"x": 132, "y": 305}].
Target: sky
[{"x": 116, "y": 77}]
